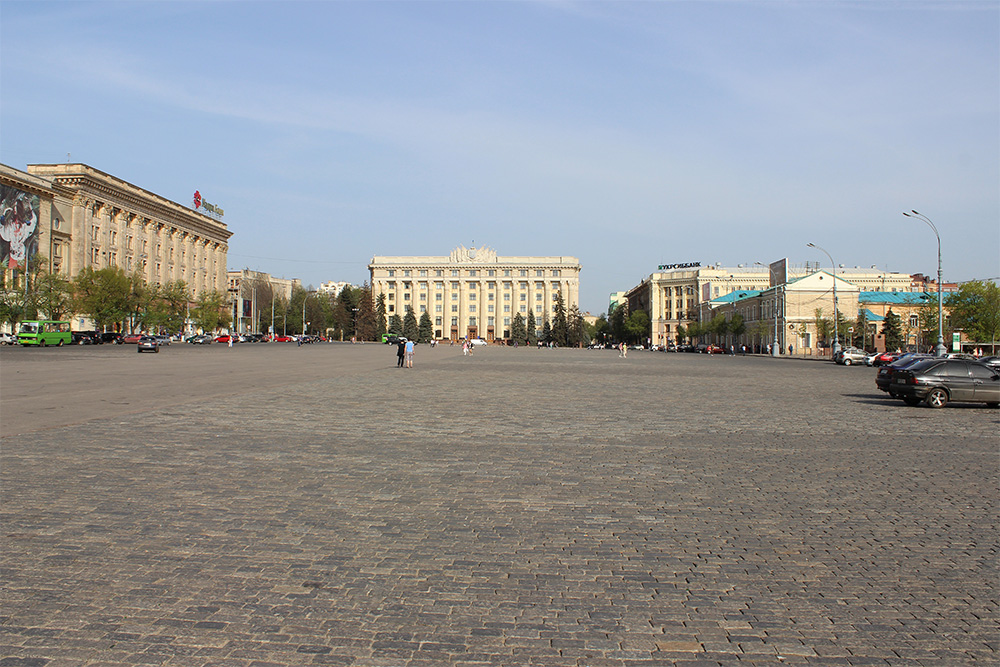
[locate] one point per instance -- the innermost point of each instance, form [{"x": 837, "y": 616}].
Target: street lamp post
[
  {"x": 939, "y": 349},
  {"x": 836, "y": 332}
]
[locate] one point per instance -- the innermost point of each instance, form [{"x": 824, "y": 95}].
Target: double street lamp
[
  {"x": 939, "y": 349},
  {"x": 836, "y": 332}
]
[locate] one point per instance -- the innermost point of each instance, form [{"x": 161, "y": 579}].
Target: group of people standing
[{"x": 404, "y": 351}]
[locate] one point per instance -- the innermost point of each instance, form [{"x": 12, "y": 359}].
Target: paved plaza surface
[{"x": 273, "y": 505}]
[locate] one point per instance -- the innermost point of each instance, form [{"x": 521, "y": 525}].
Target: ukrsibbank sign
[
  {"x": 211, "y": 209},
  {"x": 668, "y": 267}
]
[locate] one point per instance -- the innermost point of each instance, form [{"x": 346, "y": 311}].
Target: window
[
  {"x": 472, "y": 321},
  {"x": 506, "y": 272},
  {"x": 437, "y": 309},
  {"x": 524, "y": 309},
  {"x": 392, "y": 308},
  {"x": 524, "y": 272},
  {"x": 406, "y": 273},
  {"x": 391, "y": 296},
  {"x": 391, "y": 273},
  {"x": 472, "y": 308},
  {"x": 423, "y": 284},
  {"x": 423, "y": 272},
  {"x": 524, "y": 297},
  {"x": 423, "y": 297},
  {"x": 454, "y": 296},
  {"x": 490, "y": 273},
  {"x": 454, "y": 273},
  {"x": 489, "y": 308},
  {"x": 423, "y": 309},
  {"x": 438, "y": 296},
  {"x": 538, "y": 308},
  {"x": 555, "y": 273},
  {"x": 454, "y": 309},
  {"x": 454, "y": 321},
  {"x": 472, "y": 272},
  {"x": 437, "y": 321},
  {"x": 506, "y": 309},
  {"x": 454, "y": 284},
  {"x": 438, "y": 284},
  {"x": 506, "y": 321},
  {"x": 489, "y": 297},
  {"x": 539, "y": 273},
  {"x": 406, "y": 296},
  {"x": 472, "y": 296},
  {"x": 538, "y": 296},
  {"x": 914, "y": 321}
]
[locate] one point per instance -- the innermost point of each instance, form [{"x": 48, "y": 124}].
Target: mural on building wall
[{"x": 18, "y": 226}]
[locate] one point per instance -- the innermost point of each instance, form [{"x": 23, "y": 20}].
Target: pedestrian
[
  {"x": 743, "y": 350},
  {"x": 400, "y": 352},
  {"x": 230, "y": 340},
  {"x": 409, "y": 354},
  {"x": 790, "y": 348}
]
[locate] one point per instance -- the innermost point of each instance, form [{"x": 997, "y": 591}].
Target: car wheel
[
  {"x": 847, "y": 362},
  {"x": 938, "y": 398},
  {"x": 60, "y": 343},
  {"x": 911, "y": 400}
]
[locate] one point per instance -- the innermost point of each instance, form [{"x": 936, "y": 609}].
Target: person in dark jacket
[{"x": 400, "y": 352}]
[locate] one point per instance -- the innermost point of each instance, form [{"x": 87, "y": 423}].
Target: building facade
[
  {"x": 681, "y": 294},
  {"x": 473, "y": 292},
  {"x": 81, "y": 217}
]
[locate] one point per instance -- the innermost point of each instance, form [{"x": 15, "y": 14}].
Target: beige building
[
  {"x": 254, "y": 295},
  {"x": 473, "y": 292},
  {"x": 680, "y": 294},
  {"x": 87, "y": 218}
]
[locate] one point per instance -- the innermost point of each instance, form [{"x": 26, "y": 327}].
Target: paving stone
[{"x": 522, "y": 507}]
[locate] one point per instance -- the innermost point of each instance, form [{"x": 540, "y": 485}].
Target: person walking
[
  {"x": 400, "y": 353},
  {"x": 465, "y": 348},
  {"x": 409, "y": 354}
]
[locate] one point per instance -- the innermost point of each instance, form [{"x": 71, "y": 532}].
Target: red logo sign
[{"x": 197, "y": 199}]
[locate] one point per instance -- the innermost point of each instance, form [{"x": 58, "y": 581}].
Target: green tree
[
  {"x": 637, "y": 326},
  {"x": 410, "y": 327},
  {"x": 546, "y": 331},
  {"x": 719, "y": 327},
  {"x": 893, "y": 331},
  {"x": 531, "y": 329},
  {"x": 617, "y": 323},
  {"x": 737, "y": 326},
  {"x": 367, "y": 320},
  {"x": 395, "y": 324},
  {"x": 211, "y": 311},
  {"x": 975, "y": 309},
  {"x": 380, "y": 321},
  {"x": 426, "y": 328},
  {"x": 682, "y": 333},
  {"x": 518, "y": 332},
  {"x": 104, "y": 295},
  {"x": 576, "y": 328},
  {"x": 560, "y": 324}
]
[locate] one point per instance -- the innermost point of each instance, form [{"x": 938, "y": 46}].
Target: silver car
[{"x": 851, "y": 355}]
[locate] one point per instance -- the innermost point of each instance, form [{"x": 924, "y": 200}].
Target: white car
[
  {"x": 477, "y": 341},
  {"x": 7, "y": 339}
]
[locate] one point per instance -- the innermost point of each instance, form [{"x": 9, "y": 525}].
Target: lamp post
[
  {"x": 836, "y": 332},
  {"x": 939, "y": 349}
]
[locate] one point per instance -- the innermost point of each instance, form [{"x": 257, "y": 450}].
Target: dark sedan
[
  {"x": 883, "y": 378},
  {"x": 937, "y": 382}
]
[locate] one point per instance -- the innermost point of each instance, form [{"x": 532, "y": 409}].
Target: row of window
[
  {"x": 454, "y": 284},
  {"x": 391, "y": 308},
  {"x": 473, "y": 273}
]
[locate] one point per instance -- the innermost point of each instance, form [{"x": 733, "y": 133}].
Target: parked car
[
  {"x": 886, "y": 358},
  {"x": 224, "y": 338},
  {"x": 477, "y": 342},
  {"x": 7, "y": 339},
  {"x": 148, "y": 344},
  {"x": 992, "y": 362},
  {"x": 110, "y": 337},
  {"x": 131, "y": 339},
  {"x": 201, "y": 339},
  {"x": 282, "y": 339},
  {"x": 883, "y": 378},
  {"x": 850, "y": 355},
  {"x": 395, "y": 339},
  {"x": 937, "y": 382},
  {"x": 83, "y": 337},
  {"x": 162, "y": 340}
]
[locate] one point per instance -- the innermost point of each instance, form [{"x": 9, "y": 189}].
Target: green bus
[{"x": 44, "y": 332}]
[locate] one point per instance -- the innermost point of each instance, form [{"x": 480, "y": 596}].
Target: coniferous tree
[
  {"x": 426, "y": 328},
  {"x": 380, "y": 322},
  {"x": 411, "y": 330},
  {"x": 531, "y": 329},
  {"x": 518, "y": 332},
  {"x": 395, "y": 325},
  {"x": 893, "y": 331},
  {"x": 546, "y": 331},
  {"x": 560, "y": 326}
]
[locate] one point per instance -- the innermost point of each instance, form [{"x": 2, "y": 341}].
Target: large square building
[{"x": 473, "y": 292}]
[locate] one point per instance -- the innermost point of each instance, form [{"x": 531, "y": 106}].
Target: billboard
[
  {"x": 778, "y": 272},
  {"x": 18, "y": 226}
]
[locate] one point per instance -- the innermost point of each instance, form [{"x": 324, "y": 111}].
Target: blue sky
[{"x": 627, "y": 134}]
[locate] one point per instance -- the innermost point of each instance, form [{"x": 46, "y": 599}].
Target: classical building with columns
[
  {"x": 97, "y": 220},
  {"x": 473, "y": 292}
]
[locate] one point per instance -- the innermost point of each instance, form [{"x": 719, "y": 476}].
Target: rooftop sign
[
  {"x": 688, "y": 265},
  {"x": 211, "y": 209}
]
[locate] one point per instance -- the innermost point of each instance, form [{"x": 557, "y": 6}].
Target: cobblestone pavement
[{"x": 521, "y": 507}]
